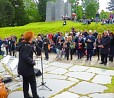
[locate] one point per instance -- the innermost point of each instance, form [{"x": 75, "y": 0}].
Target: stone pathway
[{"x": 67, "y": 80}]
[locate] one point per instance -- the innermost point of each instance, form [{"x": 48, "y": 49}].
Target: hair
[
  {"x": 99, "y": 36},
  {"x": 28, "y": 35}
]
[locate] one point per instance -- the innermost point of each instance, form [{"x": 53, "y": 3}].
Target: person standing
[
  {"x": 111, "y": 54},
  {"x": 46, "y": 48},
  {"x": 26, "y": 64},
  {"x": 1, "y": 42},
  {"x": 39, "y": 44},
  {"x": 90, "y": 39},
  {"x": 98, "y": 40},
  {"x": 104, "y": 46}
]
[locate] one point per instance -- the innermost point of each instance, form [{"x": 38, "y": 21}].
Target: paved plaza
[{"x": 66, "y": 80}]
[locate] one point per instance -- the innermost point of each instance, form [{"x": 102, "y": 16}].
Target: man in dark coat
[
  {"x": 90, "y": 39},
  {"x": 104, "y": 46}
]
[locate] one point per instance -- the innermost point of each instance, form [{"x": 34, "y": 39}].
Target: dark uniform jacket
[
  {"x": 90, "y": 45},
  {"x": 26, "y": 62},
  {"x": 105, "y": 41}
]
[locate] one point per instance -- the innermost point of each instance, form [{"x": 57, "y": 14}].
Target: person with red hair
[{"x": 26, "y": 65}]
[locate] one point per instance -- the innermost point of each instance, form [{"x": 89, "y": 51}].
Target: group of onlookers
[{"x": 66, "y": 45}]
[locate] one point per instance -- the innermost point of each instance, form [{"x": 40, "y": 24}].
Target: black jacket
[
  {"x": 90, "y": 45},
  {"x": 26, "y": 62},
  {"x": 105, "y": 41}
]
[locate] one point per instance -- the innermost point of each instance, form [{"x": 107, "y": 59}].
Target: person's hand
[{"x": 89, "y": 40}]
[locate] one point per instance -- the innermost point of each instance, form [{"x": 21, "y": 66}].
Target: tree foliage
[
  {"x": 31, "y": 10},
  {"x": 42, "y": 9},
  {"x": 19, "y": 18},
  {"x": 90, "y": 7},
  {"x": 104, "y": 15},
  {"x": 6, "y": 13},
  {"x": 111, "y": 5}
]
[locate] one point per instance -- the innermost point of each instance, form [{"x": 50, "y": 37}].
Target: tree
[
  {"x": 20, "y": 16},
  {"x": 111, "y": 5},
  {"x": 6, "y": 13},
  {"x": 104, "y": 15},
  {"x": 42, "y": 9},
  {"x": 79, "y": 12},
  {"x": 31, "y": 10},
  {"x": 90, "y": 7}
]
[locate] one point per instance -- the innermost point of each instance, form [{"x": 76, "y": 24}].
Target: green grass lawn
[{"x": 53, "y": 27}]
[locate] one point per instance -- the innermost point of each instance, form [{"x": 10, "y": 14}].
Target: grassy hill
[{"x": 53, "y": 27}]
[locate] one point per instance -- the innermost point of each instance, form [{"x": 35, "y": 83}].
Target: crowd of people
[{"x": 79, "y": 43}]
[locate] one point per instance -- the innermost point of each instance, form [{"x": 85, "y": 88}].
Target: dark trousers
[
  {"x": 98, "y": 52},
  {"x": 89, "y": 54},
  {"x": 6, "y": 50},
  {"x": 46, "y": 54},
  {"x": 104, "y": 58},
  {"x": 32, "y": 81},
  {"x": 71, "y": 53},
  {"x": 0, "y": 51},
  {"x": 80, "y": 53},
  {"x": 67, "y": 53}
]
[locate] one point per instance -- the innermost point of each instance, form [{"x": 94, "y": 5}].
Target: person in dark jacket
[
  {"x": 39, "y": 44},
  {"x": 5, "y": 42},
  {"x": 98, "y": 41},
  {"x": 111, "y": 54},
  {"x": 46, "y": 48},
  {"x": 90, "y": 39},
  {"x": 80, "y": 46},
  {"x": 26, "y": 64},
  {"x": 1, "y": 42},
  {"x": 104, "y": 46}
]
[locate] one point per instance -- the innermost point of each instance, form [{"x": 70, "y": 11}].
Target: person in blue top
[{"x": 90, "y": 39}]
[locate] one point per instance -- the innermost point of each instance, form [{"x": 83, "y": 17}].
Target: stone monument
[
  {"x": 50, "y": 11},
  {"x": 56, "y": 10}
]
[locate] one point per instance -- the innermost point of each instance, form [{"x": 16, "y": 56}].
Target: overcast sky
[{"x": 103, "y": 4}]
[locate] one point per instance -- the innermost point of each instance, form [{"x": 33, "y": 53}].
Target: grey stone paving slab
[
  {"x": 59, "y": 71},
  {"x": 52, "y": 76},
  {"x": 84, "y": 97},
  {"x": 73, "y": 79},
  {"x": 67, "y": 95},
  {"x": 17, "y": 94},
  {"x": 102, "y": 79},
  {"x": 105, "y": 95},
  {"x": 56, "y": 86},
  {"x": 50, "y": 68},
  {"x": 101, "y": 71},
  {"x": 15, "y": 86},
  {"x": 1, "y": 68},
  {"x": 87, "y": 88},
  {"x": 78, "y": 68},
  {"x": 81, "y": 75},
  {"x": 63, "y": 65}
]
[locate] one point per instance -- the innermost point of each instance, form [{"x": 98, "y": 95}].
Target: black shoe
[
  {"x": 101, "y": 63},
  {"x": 104, "y": 63}
]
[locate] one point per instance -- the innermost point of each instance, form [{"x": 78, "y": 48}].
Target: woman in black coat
[{"x": 25, "y": 65}]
